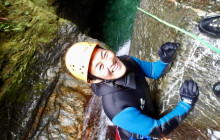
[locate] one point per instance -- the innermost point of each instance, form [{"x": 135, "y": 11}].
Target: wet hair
[{"x": 93, "y": 77}]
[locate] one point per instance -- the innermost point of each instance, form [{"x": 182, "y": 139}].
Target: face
[{"x": 106, "y": 65}]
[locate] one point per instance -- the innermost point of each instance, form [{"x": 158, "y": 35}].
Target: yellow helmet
[{"x": 78, "y": 57}]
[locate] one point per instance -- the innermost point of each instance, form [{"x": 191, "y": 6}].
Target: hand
[
  {"x": 189, "y": 92},
  {"x": 167, "y": 51}
]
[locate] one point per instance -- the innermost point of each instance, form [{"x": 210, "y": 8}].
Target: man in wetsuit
[{"x": 121, "y": 83}]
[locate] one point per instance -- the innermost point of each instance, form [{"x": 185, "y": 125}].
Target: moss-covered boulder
[{"x": 38, "y": 98}]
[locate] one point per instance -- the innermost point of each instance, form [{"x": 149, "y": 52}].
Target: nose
[{"x": 108, "y": 62}]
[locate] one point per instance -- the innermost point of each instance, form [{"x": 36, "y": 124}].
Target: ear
[{"x": 95, "y": 81}]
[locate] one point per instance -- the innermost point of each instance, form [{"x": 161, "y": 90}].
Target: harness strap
[{"x": 117, "y": 136}]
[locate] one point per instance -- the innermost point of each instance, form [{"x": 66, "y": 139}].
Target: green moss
[
  {"x": 39, "y": 87},
  {"x": 45, "y": 4},
  {"x": 29, "y": 25},
  {"x": 4, "y": 11}
]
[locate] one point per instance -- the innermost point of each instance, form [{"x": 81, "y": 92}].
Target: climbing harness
[
  {"x": 215, "y": 49},
  {"x": 139, "y": 137}
]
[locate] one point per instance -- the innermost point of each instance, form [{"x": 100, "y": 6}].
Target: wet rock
[
  {"x": 193, "y": 60},
  {"x": 92, "y": 118},
  {"x": 38, "y": 97},
  {"x": 62, "y": 116}
]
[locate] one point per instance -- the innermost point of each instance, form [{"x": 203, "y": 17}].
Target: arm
[
  {"x": 151, "y": 69},
  {"x": 134, "y": 121},
  {"x": 155, "y": 69}
]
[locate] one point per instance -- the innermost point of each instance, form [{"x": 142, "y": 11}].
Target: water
[
  {"x": 215, "y": 135},
  {"x": 118, "y": 22},
  {"x": 124, "y": 50}
]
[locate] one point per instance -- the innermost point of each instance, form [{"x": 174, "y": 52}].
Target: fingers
[
  {"x": 193, "y": 88},
  {"x": 185, "y": 86},
  {"x": 170, "y": 46},
  {"x": 189, "y": 92},
  {"x": 190, "y": 86},
  {"x": 177, "y": 44},
  {"x": 161, "y": 52}
]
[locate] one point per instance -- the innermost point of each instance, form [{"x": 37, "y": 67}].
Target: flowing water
[{"x": 118, "y": 22}]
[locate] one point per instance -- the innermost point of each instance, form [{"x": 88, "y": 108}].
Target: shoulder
[
  {"x": 128, "y": 60},
  {"x": 116, "y": 102},
  {"x": 124, "y": 57},
  {"x": 101, "y": 89}
]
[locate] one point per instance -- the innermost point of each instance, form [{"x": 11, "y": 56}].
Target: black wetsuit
[{"x": 128, "y": 104}]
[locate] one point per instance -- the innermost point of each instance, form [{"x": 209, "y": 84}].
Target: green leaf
[
  {"x": 7, "y": 3},
  {"x": 2, "y": 26},
  {"x": 28, "y": 24},
  {"x": 17, "y": 29},
  {"x": 26, "y": 13}
]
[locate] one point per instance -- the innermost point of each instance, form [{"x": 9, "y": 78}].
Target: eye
[
  {"x": 101, "y": 67},
  {"x": 105, "y": 54}
]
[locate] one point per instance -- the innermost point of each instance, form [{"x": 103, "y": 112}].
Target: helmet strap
[{"x": 93, "y": 77}]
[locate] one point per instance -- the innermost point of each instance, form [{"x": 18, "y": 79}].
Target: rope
[{"x": 183, "y": 31}]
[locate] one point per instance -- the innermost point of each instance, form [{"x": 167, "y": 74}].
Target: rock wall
[
  {"x": 38, "y": 97},
  {"x": 193, "y": 60}
]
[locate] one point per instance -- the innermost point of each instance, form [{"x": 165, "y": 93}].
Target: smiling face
[{"x": 106, "y": 65}]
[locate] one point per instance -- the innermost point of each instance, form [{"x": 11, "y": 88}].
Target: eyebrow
[{"x": 102, "y": 53}]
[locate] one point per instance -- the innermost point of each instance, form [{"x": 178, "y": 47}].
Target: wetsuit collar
[{"x": 127, "y": 81}]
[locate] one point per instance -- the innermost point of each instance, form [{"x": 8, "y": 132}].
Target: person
[
  {"x": 216, "y": 89},
  {"x": 210, "y": 26},
  {"x": 121, "y": 83}
]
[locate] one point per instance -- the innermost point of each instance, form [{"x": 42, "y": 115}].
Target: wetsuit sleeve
[
  {"x": 132, "y": 120},
  {"x": 151, "y": 69}
]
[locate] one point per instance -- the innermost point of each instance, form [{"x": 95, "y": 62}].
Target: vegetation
[{"x": 24, "y": 28}]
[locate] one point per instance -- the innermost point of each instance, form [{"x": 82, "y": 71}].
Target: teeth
[{"x": 116, "y": 65}]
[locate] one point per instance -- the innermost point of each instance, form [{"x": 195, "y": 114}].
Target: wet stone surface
[{"x": 193, "y": 60}]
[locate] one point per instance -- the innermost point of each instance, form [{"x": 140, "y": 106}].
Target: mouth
[{"x": 115, "y": 67}]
